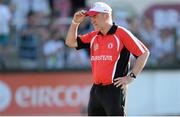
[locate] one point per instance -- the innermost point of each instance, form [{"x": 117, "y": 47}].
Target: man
[
  {"x": 5, "y": 17},
  {"x": 110, "y": 47}
]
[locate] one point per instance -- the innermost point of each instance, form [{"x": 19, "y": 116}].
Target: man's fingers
[
  {"x": 117, "y": 79},
  {"x": 82, "y": 12},
  {"x": 119, "y": 83}
]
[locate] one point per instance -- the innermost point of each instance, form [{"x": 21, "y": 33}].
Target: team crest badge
[
  {"x": 95, "y": 47},
  {"x": 110, "y": 45}
]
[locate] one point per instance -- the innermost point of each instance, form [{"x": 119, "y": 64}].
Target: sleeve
[
  {"x": 84, "y": 41},
  {"x": 81, "y": 44},
  {"x": 135, "y": 46}
]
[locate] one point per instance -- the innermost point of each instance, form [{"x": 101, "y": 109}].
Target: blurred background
[{"x": 40, "y": 75}]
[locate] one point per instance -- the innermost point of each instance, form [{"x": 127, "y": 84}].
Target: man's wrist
[
  {"x": 132, "y": 75},
  {"x": 74, "y": 22}
]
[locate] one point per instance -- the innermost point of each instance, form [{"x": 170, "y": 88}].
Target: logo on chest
[
  {"x": 95, "y": 47},
  {"x": 110, "y": 45}
]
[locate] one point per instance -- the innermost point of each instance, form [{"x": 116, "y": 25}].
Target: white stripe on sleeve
[
  {"x": 92, "y": 41},
  {"x": 134, "y": 39},
  {"x": 118, "y": 42}
]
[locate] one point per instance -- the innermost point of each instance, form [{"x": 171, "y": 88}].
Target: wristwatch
[{"x": 132, "y": 75}]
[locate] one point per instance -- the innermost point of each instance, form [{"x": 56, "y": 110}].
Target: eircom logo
[{"x": 5, "y": 96}]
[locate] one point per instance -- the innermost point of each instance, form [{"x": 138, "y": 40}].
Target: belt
[{"x": 101, "y": 84}]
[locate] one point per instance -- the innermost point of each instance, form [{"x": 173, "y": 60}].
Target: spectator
[
  {"x": 164, "y": 48},
  {"x": 178, "y": 41},
  {"x": 29, "y": 43},
  {"x": 42, "y": 9},
  {"x": 54, "y": 51},
  {"x": 5, "y": 17},
  {"x": 77, "y": 59},
  {"x": 149, "y": 34},
  {"x": 41, "y": 6},
  {"x": 61, "y": 8},
  {"x": 134, "y": 26},
  {"x": 20, "y": 9}
]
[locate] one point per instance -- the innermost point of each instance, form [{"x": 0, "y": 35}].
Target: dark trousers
[{"x": 106, "y": 100}]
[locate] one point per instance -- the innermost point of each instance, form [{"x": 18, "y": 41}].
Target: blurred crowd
[{"x": 32, "y": 34}]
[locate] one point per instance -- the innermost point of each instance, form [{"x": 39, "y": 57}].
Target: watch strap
[{"x": 132, "y": 75}]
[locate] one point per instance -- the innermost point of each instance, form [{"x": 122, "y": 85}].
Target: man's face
[{"x": 98, "y": 21}]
